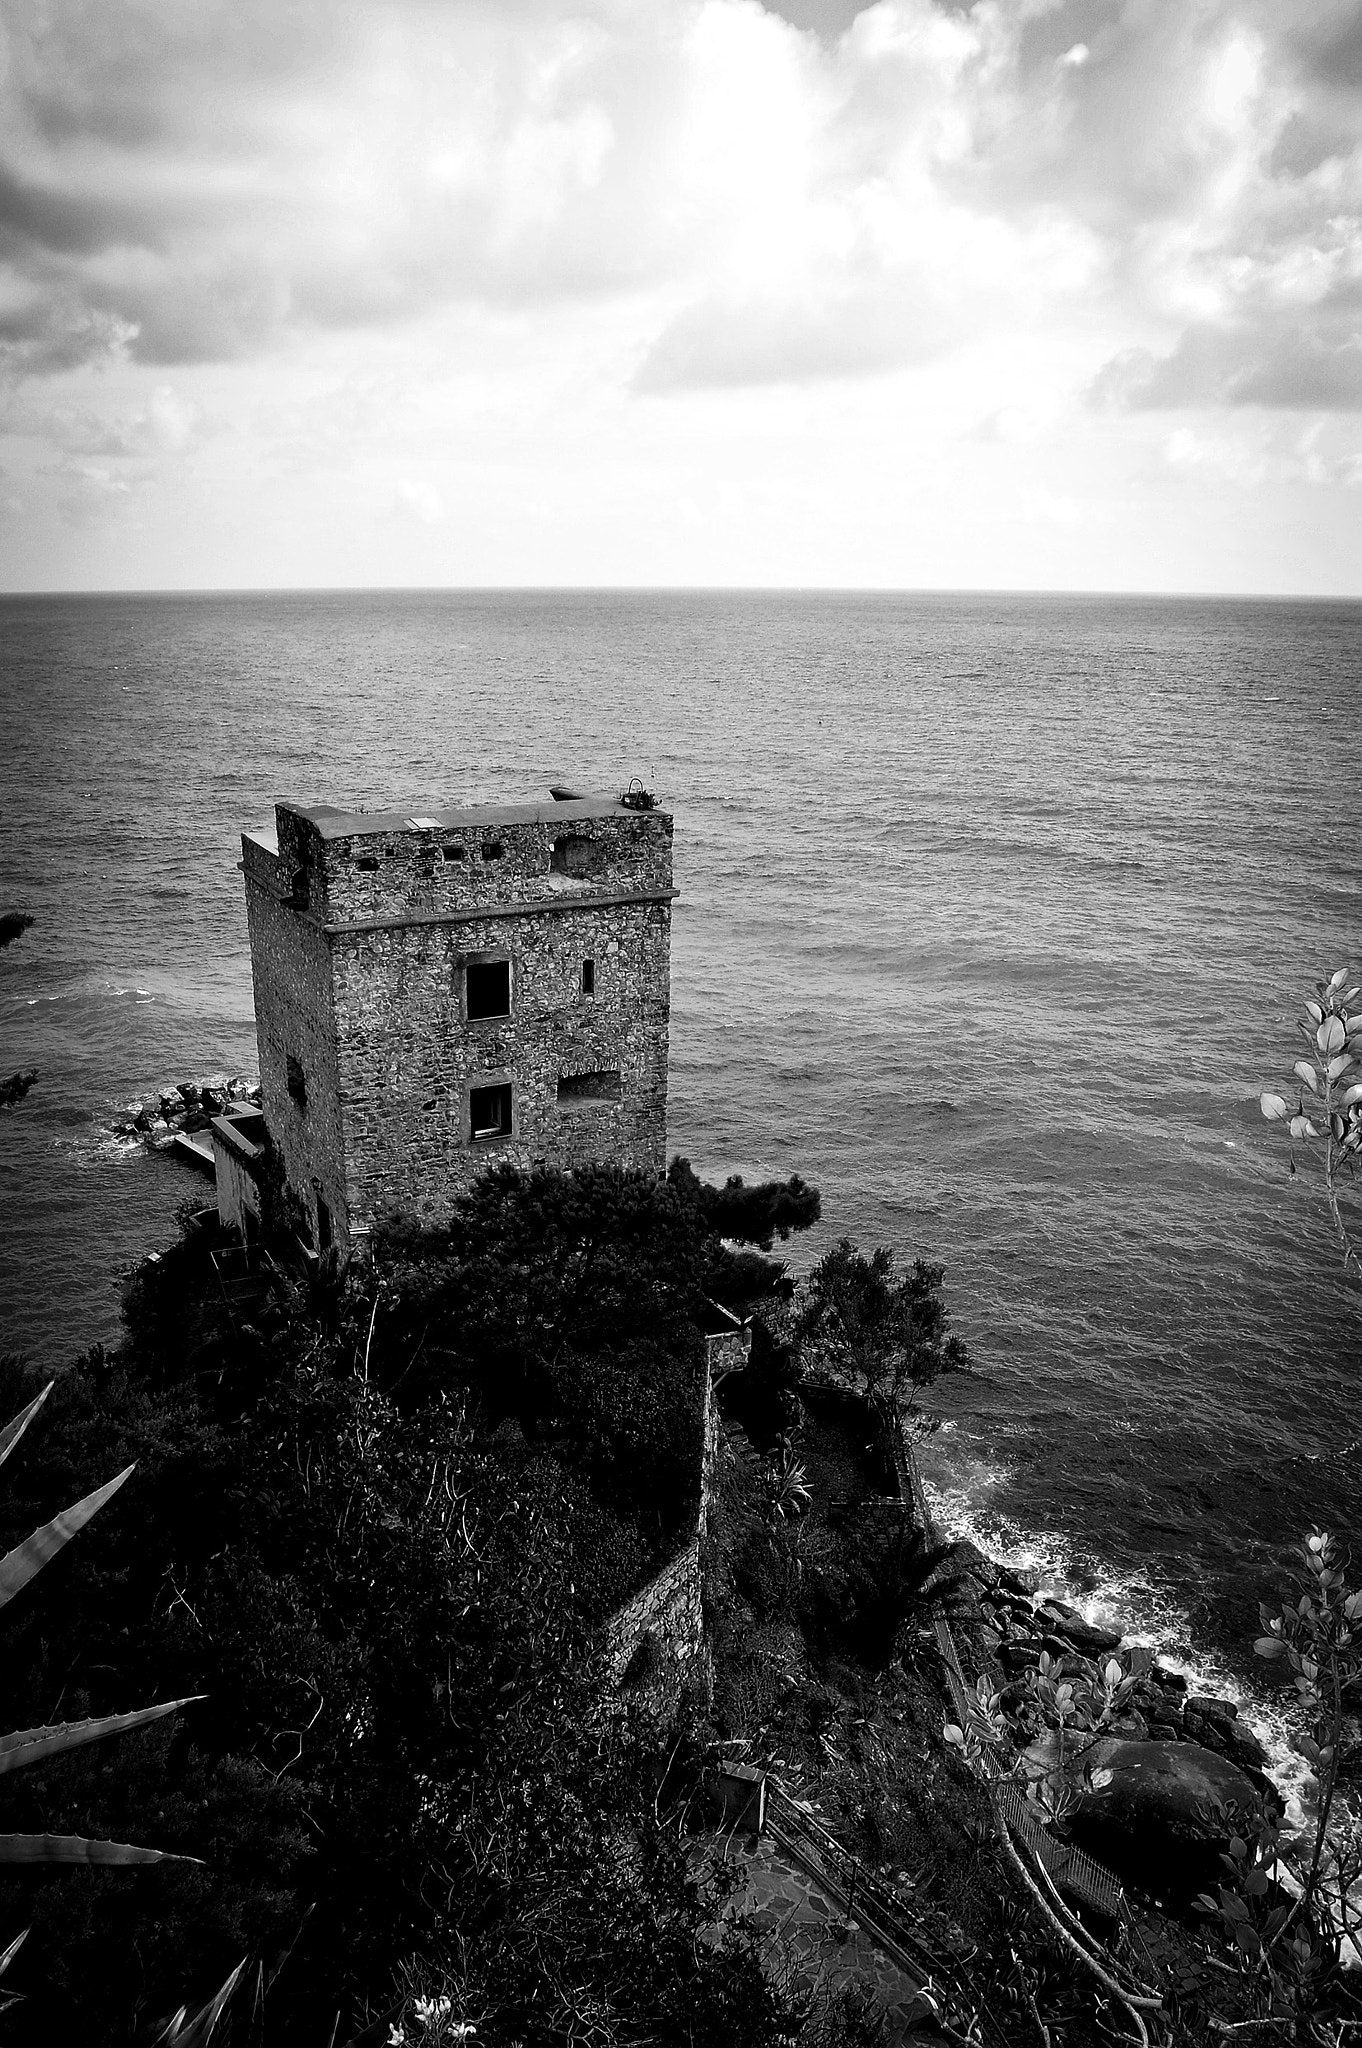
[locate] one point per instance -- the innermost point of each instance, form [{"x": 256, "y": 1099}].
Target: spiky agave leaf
[
  {"x": 27, "y": 1559},
  {"x": 31, "y": 1745},
  {"x": 186, "y": 2030},
  {"x": 8, "y": 1997},
  {"x": 80, "y": 1849},
  {"x": 12, "y": 1431}
]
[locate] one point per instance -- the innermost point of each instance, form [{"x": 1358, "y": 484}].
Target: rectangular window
[
  {"x": 297, "y": 1080},
  {"x": 588, "y": 977},
  {"x": 583, "y": 1091},
  {"x": 451, "y": 853},
  {"x": 488, "y": 988},
  {"x": 489, "y": 1112}
]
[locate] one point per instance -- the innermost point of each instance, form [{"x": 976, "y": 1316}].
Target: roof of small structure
[{"x": 332, "y": 823}]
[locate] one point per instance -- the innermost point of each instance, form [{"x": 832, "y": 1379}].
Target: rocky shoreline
[
  {"x": 1157, "y": 1777},
  {"x": 1016, "y": 1626},
  {"x": 186, "y": 1108}
]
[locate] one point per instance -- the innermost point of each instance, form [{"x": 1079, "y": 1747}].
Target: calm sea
[{"x": 994, "y": 915}]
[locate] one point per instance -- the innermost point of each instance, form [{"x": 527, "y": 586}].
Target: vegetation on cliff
[
  {"x": 379, "y": 1520},
  {"x": 377, "y": 1525}
]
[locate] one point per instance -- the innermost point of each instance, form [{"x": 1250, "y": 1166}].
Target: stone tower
[{"x": 433, "y": 994}]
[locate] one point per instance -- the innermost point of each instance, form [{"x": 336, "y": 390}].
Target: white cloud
[{"x": 588, "y": 255}]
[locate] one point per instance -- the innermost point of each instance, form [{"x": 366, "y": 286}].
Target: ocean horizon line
[{"x": 1103, "y": 595}]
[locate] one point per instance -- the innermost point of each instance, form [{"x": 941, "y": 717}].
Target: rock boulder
[
  {"x": 1087, "y": 1636},
  {"x": 1163, "y": 1817}
]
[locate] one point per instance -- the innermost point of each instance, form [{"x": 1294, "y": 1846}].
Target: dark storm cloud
[{"x": 42, "y": 216}]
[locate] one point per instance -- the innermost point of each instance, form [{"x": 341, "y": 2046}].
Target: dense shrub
[{"x": 376, "y": 1526}]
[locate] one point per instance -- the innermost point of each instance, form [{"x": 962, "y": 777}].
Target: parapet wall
[{"x": 350, "y": 868}]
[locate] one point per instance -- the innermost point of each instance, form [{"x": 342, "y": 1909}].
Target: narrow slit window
[
  {"x": 587, "y": 1091},
  {"x": 297, "y": 1081},
  {"x": 588, "y": 977},
  {"x": 488, "y": 988},
  {"x": 489, "y": 1112}
]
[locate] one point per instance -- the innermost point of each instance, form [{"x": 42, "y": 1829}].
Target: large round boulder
[{"x": 1161, "y": 1813}]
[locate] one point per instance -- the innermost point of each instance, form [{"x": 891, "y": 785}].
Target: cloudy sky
[{"x": 1046, "y": 293}]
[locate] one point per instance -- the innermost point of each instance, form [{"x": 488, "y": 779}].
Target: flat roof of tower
[{"x": 336, "y": 824}]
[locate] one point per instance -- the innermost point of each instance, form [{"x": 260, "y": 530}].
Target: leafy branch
[{"x": 1333, "y": 1030}]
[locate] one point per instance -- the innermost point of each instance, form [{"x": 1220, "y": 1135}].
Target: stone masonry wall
[
  {"x": 408, "y": 1056},
  {"x": 362, "y": 929},
  {"x": 295, "y": 1017},
  {"x": 670, "y": 1608},
  {"x": 624, "y": 852}
]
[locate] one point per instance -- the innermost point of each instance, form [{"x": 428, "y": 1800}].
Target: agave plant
[
  {"x": 35, "y": 1745},
  {"x": 788, "y": 1494},
  {"x": 186, "y": 2029}
]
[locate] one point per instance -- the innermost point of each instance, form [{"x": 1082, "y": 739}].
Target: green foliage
[
  {"x": 27, "y": 1747},
  {"x": 1328, "y": 1103},
  {"x": 890, "y": 1574},
  {"x": 1318, "y": 1639},
  {"x": 378, "y": 1530},
  {"x": 564, "y": 1304},
  {"x": 749, "y": 1215},
  {"x": 765, "y": 1397},
  {"x": 787, "y": 1486},
  {"x": 886, "y": 1330}
]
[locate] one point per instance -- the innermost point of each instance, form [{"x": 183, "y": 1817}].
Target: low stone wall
[{"x": 669, "y": 1609}]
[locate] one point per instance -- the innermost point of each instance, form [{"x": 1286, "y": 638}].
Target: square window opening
[
  {"x": 572, "y": 856},
  {"x": 588, "y": 977},
  {"x": 489, "y": 1112},
  {"x": 492, "y": 850},
  {"x": 451, "y": 853},
  {"x": 488, "y": 989},
  {"x": 366, "y": 863}
]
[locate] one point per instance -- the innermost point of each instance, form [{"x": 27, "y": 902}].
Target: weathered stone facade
[{"x": 434, "y": 994}]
